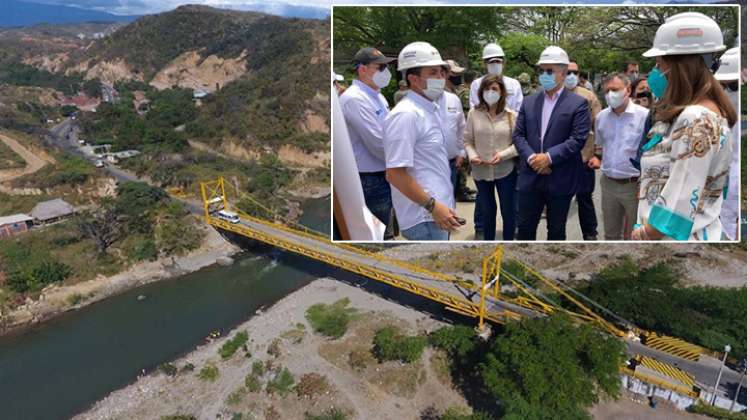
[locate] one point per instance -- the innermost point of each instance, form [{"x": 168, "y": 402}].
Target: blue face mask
[
  {"x": 547, "y": 81},
  {"x": 657, "y": 81}
]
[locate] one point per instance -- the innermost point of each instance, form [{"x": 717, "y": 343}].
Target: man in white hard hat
[
  {"x": 587, "y": 215},
  {"x": 495, "y": 61},
  {"x": 415, "y": 144},
  {"x": 365, "y": 110},
  {"x": 453, "y": 120},
  {"x": 552, "y": 128},
  {"x": 728, "y": 76}
]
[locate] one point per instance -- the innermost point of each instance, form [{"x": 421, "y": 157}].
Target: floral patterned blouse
[{"x": 684, "y": 174}]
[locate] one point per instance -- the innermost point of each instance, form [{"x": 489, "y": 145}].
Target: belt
[
  {"x": 373, "y": 173},
  {"x": 631, "y": 180}
]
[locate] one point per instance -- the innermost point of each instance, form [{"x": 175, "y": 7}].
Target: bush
[
  {"x": 236, "y": 396},
  {"x": 258, "y": 368},
  {"x": 390, "y": 344},
  {"x": 331, "y": 414},
  {"x": 229, "y": 347},
  {"x": 209, "y": 373},
  {"x": 330, "y": 320},
  {"x": 30, "y": 269},
  {"x": 281, "y": 383},
  {"x": 311, "y": 385},
  {"x": 716, "y": 412},
  {"x": 167, "y": 368},
  {"x": 456, "y": 413},
  {"x": 457, "y": 340},
  {"x": 189, "y": 367},
  {"x": 252, "y": 383}
]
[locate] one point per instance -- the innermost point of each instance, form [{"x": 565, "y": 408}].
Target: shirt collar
[
  {"x": 421, "y": 101},
  {"x": 366, "y": 88},
  {"x": 555, "y": 96},
  {"x": 628, "y": 109}
]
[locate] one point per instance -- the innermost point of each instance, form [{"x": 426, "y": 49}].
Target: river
[{"x": 59, "y": 368}]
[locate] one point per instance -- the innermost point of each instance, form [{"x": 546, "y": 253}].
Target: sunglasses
[
  {"x": 572, "y": 72},
  {"x": 546, "y": 71}
]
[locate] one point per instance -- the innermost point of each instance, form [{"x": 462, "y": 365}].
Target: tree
[
  {"x": 548, "y": 368},
  {"x": 104, "y": 225}
]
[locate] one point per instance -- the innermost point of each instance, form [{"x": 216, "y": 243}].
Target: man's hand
[
  {"x": 476, "y": 161},
  {"x": 445, "y": 217},
  {"x": 594, "y": 163},
  {"x": 545, "y": 171},
  {"x": 496, "y": 158},
  {"x": 539, "y": 161},
  {"x": 459, "y": 161}
]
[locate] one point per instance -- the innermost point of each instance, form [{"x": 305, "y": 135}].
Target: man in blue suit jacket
[{"x": 551, "y": 129}]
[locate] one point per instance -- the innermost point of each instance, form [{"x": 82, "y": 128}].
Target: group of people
[{"x": 665, "y": 144}]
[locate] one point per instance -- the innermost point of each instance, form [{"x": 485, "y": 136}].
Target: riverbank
[
  {"x": 282, "y": 337},
  {"x": 58, "y": 299}
]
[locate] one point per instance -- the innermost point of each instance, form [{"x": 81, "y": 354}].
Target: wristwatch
[{"x": 430, "y": 204}]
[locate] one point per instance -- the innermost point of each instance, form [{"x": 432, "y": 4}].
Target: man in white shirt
[
  {"x": 416, "y": 149},
  {"x": 365, "y": 110},
  {"x": 618, "y": 132},
  {"x": 454, "y": 122},
  {"x": 495, "y": 61}
]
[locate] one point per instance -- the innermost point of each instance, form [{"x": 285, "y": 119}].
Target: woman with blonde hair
[
  {"x": 685, "y": 163},
  {"x": 490, "y": 149}
]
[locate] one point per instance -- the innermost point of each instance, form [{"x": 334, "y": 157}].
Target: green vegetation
[
  {"x": 716, "y": 412},
  {"x": 282, "y": 383},
  {"x": 119, "y": 124},
  {"x": 30, "y": 269},
  {"x": 20, "y": 74},
  {"x": 544, "y": 368},
  {"x": 333, "y": 413},
  {"x": 209, "y": 373},
  {"x": 654, "y": 299},
  {"x": 330, "y": 320},
  {"x": 312, "y": 384},
  {"x": 168, "y": 369},
  {"x": 68, "y": 170},
  {"x": 252, "y": 382},
  {"x": 258, "y": 368},
  {"x": 10, "y": 159},
  {"x": 236, "y": 396},
  {"x": 391, "y": 344},
  {"x": 229, "y": 347},
  {"x": 457, "y": 413}
]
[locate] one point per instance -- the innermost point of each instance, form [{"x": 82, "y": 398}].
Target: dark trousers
[
  {"x": 587, "y": 215},
  {"x": 531, "y": 205},
  {"x": 378, "y": 196},
  {"x": 506, "y": 188}
]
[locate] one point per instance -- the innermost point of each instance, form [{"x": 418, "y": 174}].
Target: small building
[
  {"x": 51, "y": 211},
  {"x": 15, "y": 224}
]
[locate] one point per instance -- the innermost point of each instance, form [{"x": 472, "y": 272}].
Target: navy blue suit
[{"x": 565, "y": 136}]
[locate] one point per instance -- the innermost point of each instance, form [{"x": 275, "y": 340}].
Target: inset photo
[{"x": 553, "y": 123}]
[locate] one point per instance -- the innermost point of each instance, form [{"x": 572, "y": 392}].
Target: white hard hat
[
  {"x": 729, "y": 68},
  {"x": 492, "y": 50},
  {"x": 553, "y": 55},
  {"x": 419, "y": 54},
  {"x": 687, "y": 33}
]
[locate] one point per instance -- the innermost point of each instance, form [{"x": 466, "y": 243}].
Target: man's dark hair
[
  {"x": 415, "y": 70},
  {"x": 469, "y": 76},
  {"x": 628, "y": 64}
]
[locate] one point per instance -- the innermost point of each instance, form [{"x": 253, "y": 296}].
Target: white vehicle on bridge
[{"x": 228, "y": 216}]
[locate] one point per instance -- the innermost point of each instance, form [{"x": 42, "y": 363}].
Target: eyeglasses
[{"x": 572, "y": 72}]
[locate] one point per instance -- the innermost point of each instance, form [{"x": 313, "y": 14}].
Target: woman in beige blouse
[{"x": 487, "y": 139}]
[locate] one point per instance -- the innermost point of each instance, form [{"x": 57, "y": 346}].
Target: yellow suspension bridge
[{"x": 487, "y": 302}]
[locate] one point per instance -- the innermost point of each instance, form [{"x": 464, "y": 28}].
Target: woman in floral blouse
[{"x": 685, "y": 163}]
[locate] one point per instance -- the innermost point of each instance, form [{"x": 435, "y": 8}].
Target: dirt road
[{"x": 34, "y": 161}]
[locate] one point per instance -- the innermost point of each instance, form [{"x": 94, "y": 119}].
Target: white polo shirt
[
  {"x": 620, "y": 136},
  {"x": 415, "y": 139},
  {"x": 513, "y": 88},
  {"x": 365, "y": 111},
  {"x": 452, "y": 116}
]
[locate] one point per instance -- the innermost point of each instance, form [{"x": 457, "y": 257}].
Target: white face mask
[
  {"x": 495, "y": 68},
  {"x": 491, "y": 97},
  {"x": 615, "y": 98},
  {"x": 382, "y": 78},
  {"x": 434, "y": 88},
  {"x": 571, "y": 81}
]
